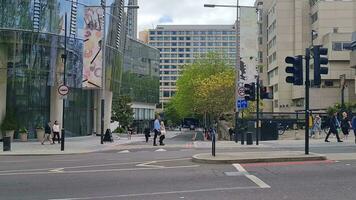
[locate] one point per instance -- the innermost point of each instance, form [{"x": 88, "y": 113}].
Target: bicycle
[{"x": 282, "y": 128}]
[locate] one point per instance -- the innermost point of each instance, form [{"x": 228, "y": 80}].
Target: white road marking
[
  {"x": 149, "y": 164},
  {"x": 158, "y": 193},
  {"x": 161, "y": 150},
  {"x": 58, "y": 170},
  {"x": 253, "y": 178},
  {"x": 258, "y": 181},
  {"x": 124, "y": 151}
]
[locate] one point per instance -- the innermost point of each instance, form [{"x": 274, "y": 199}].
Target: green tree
[
  {"x": 122, "y": 111},
  {"x": 206, "y": 88}
]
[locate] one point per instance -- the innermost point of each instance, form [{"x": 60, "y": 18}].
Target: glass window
[
  {"x": 174, "y": 38},
  {"x": 337, "y": 46}
]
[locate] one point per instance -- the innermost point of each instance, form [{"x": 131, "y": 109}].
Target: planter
[
  {"x": 40, "y": 134},
  {"x": 10, "y": 134},
  {"x": 23, "y": 137}
]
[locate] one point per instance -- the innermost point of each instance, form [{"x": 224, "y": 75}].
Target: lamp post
[
  {"x": 64, "y": 57},
  {"x": 238, "y": 59}
]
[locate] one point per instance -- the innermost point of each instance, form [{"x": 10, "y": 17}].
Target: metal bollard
[{"x": 62, "y": 140}]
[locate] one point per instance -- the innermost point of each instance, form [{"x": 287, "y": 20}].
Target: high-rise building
[
  {"x": 132, "y": 20},
  {"x": 353, "y": 42},
  {"x": 181, "y": 44},
  {"x": 285, "y": 29}
]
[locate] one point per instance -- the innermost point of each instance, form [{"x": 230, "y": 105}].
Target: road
[{"x": 165, "y": 173}]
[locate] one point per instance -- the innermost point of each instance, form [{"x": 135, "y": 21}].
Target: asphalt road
[{"x": 165, "y": 173}]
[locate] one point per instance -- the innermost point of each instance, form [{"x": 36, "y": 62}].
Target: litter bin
[
  {"x": 249, "y": 140},
  {"x": 6, "y": 144}
]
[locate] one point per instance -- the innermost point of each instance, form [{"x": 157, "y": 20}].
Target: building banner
[{"x": 93, "y": 52}]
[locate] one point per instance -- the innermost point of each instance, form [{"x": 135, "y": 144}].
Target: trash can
[
  {"x": 6, "y": 144},
  {"x": 249, "y": 140}
]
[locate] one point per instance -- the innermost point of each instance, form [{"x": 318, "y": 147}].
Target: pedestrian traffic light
[
  {"x": 250, "y": 93},
  {"x": 296, "y": 70},
  {"x": 320, "y": 59}
]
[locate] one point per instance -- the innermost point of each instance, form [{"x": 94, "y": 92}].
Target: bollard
[
  {"x": 62, "y": 139},
  {"x": 213, "y": 143}
]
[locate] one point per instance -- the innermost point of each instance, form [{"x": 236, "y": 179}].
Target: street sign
[
  {"x": 241, "y": 104},
  {"x": 241, "y": 91},
  {"x": 63, "y": 90}
]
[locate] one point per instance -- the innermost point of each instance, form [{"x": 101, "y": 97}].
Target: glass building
[
  {"x": 181, "y": 44},
  {"x": 32, "y": 63}
]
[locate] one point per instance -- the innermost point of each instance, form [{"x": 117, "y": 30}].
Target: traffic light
[
  {"x": 263, "y": 93},
  {"x": 296, "y": 70},
  {"x": 319, "y": 60},
  {"x": 250, "y": 93}
]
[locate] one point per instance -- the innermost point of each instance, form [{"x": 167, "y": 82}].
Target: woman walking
[
  {"x": 55, "y": 129},
  {"x": 345, "y": 125},
  {"x": 163, "y": 134}
]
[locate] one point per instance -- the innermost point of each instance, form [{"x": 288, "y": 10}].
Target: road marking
[
  {"x": 58, "y": 170},
  {"x": 158, "y": 193},
  {"x": 161, "y": 150},
  {"x": 124, "y": 151},
  {"x": 287, "y": 163},
  {"x": 149, "y": 164},
  {"x": 253, "y": 178}
]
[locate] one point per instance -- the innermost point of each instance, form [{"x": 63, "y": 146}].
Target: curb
[{"x": 214, "y": 160}]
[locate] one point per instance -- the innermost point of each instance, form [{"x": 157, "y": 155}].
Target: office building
[
  {"x": 285, "y": 28},
  {"x": 353, "y": 42},
  {"x": 132, "y": 19},
  {"x": 181, "y": 44}
]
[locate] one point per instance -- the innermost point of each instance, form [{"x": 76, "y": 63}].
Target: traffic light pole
[
  {"x": 258, "y": 110},
  {"x": 307, "y": 86}
]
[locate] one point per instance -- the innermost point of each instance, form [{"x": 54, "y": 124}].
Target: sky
[{"x": 154, "y": 12}]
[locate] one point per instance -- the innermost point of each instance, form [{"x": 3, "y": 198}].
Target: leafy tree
[
  {"x": 171, "y": 114},
  {"x": 122, "y": 111},
  {"x": 206, "y": 87}
]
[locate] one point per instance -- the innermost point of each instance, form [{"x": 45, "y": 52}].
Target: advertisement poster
[{"x": 93, "y": 53}]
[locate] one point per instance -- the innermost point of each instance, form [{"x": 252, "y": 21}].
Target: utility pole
[
  {"x": 307, "y": 86},
  {"x": 64, "y": 56},
  {"x": 258, "y": 109}
]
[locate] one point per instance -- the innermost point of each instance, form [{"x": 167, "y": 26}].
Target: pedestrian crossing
[{"x": 126, "y": 151}]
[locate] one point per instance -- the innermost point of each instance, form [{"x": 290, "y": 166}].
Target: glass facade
[{"x": 31, "y": 48}]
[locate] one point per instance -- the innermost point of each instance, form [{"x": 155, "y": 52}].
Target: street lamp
[{"x": 237, "y": 66}]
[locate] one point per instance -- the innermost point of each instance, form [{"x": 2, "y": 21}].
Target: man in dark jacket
[
  {"x": 48, "y": 132},
  {"x": 334, "y": 126}
]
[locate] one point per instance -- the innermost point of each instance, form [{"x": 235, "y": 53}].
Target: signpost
[{"x": 63, "y": 90}]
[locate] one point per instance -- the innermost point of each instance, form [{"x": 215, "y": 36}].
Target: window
[
  {"x": 341, "y": 46},
  {"x": 260, "y": 40},
  {"x": 165, "y": 93},
  {"x": 152, "y": 33},
  {"x": 181, "y": 38},
  {"x": 174, "y": 38},
  {"x": 314, "y": 17}
]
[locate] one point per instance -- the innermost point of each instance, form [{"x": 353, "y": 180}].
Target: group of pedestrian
[
  {"x": 159, "y": 131},
  {"x": 48, "y": 133},
  {"x": 341, "y": 125}
]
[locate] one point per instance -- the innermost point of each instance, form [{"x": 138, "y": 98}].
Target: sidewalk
[{"x": 75, "y": 145}]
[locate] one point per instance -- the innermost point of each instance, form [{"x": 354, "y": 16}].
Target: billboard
[{"x": 93, "y": 53}]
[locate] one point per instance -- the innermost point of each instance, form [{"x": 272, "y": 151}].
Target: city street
[{"x": 167, "y": 172}]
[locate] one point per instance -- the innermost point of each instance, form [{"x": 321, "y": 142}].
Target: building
[
  {"x": 32, "y": 62},
  {"x": 285, "y": 29},
  {"x": 181, "y": 44},
  {"x": 140, "y": 81},
  {"x": 353, "y": 42},
  {"x": 132, "y": 19}
]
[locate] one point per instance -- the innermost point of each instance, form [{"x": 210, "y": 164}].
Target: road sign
[
  {"x": 63, "y": 90},
  {"x": 241, "y": 91},
  {"x": 241, "y": 104}
]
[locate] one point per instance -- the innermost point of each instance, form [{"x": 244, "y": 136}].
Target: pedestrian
[
  {"x": 56, "y": 129},
  {"x": 163, "y": 134},
  {"x": 354, "y": 126},
  {"x": 48, "y": 133},
  {"x": 231, "y": 133},
  {"x": 317, "y": 125},
  {"x": 146, "y": 131},
  {"x": 129, "y": 132},
  {"x": 156, "y": 129},
  {"x": 310, "y": 125},
  {"x": 334, "y": 127},
  {"x": 345, "y": 125}
]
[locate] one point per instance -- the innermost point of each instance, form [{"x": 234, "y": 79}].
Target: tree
[
  {"x": 206, "y": 87},
  {"x": 122, "y": 111}
]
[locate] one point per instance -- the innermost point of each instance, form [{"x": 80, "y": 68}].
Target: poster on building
[
  {"x": 93, "y": 53},
  {"x": 248, "y": 44}
]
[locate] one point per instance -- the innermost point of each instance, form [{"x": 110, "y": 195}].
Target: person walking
[
  {"x": 156, "y": 129},
  {"x": 317, "y": 125},
  {"x": 334, "y": 126},
  {"x": 56, "y": 130},
  {"x": 345, "y": 125},
  {"x": 48, "y": 132},
  {"x": 163, "y": 134},
  {"x": 354, "y": 126},
  {"x": 147, "y": 133}
]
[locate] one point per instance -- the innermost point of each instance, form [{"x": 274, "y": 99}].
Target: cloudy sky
[{"x": 154, "y": 12}]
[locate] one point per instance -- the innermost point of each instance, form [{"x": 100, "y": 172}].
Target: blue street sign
[{"x": 241, "y": 104}]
